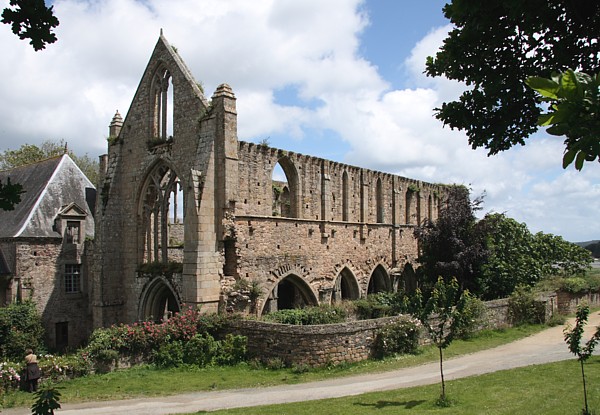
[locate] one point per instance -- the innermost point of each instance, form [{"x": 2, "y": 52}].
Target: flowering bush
[
  {"x": 146, "y": 339},
  {"x": 10, "y": 377},
  {"x": 397, "y": 338}
]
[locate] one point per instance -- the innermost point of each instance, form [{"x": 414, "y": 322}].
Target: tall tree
[
  {"x": 33, "y": 20},
  {"x": 454, "y": 245},
  {"x": 10, "y": 194},
  {"x": 495, "y": 46}
]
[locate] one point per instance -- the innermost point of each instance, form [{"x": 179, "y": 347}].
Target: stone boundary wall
[
  {"x": 332, "y": 343},
  {"x": 567, "y": 303}
]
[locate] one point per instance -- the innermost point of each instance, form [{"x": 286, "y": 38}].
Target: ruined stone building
[
  {"x": 42, "y": 247},
  {"x": 189, "y": 215}
]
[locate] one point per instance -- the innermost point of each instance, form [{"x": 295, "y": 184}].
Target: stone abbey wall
[{"x": 327, "y": 232}]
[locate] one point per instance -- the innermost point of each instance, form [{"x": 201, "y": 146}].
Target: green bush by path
[{"x": 401, "y": 337}]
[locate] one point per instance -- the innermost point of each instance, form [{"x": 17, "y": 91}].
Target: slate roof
[{"x": 49, "y": 185}]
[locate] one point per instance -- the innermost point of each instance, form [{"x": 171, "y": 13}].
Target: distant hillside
[
  {"x": 592, "y": 246},
  {"x": 584, "y": 244}
]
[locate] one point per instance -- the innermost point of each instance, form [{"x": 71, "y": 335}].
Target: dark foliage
[
  {"x": 454, "y": 246},
  {"x": 31, "y": 19},
  {"x": 495, "y": 46},
  {"x": 20, "y": 328},
  {"x": 10, "y": 194}
]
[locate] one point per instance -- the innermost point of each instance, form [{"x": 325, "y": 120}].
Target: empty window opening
[
  {"x": 379, "y": 200},
  {"x": 379, "y": 281},
  {"x": 345, "y": 287},
  {"x": 291, "y": 292},
  {"x": 284, "y": 185},
  {"x": 231, "y": 259},
  {"x": 163, "y": 212},
  {"x": 162, "y": 88},
  {"x": 345, "y": 197},
  {"x": 73, "y": 232}
]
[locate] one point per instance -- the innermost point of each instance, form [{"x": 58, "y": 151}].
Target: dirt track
[{"x": 544, "y": 347}]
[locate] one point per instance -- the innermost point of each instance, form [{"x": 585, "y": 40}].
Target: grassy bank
[
  {"x": 550, "y": 389},
  {"x": 148, "y": 381}
]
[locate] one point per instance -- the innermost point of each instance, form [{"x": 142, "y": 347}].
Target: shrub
[
  {"x": 232, "y": 350},
  {"x": 200, "y": 350},
  {"x": 10, "y": 377},
  {"x": 308, "y": 316},
  {"x": 59, "y": 368},
  {"x": 523, "y": 308},
  {"x": 275, "y": 363},
  {"x": 401, "y": 337},
  {"x": 20, "y": 328},
  {"x": 574, "y": 285},
  {"x": 471, "y": 318},
  {"x": 169, "y": 355}
]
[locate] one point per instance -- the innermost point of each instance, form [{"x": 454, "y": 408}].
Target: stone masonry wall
[
  {"x": 332, "y": 343},
  {"x": 40, "y": 268}
]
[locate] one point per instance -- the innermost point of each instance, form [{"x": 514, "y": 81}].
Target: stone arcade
[{"x": 178, "y": 186}]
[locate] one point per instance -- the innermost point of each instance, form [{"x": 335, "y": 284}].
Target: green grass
[
  {"x": 147, "y": 381},
  {"x": 550, "y": 389}
]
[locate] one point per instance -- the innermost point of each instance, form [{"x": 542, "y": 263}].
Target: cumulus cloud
[{"x": 264, "y": 49}]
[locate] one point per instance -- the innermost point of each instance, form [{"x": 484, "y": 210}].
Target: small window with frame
[{"x": 72, "y": 278}]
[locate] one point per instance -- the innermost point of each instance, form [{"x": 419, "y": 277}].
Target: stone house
[
  {"x": 189, "y": 215},
  {"x": 43, "y": 244}
]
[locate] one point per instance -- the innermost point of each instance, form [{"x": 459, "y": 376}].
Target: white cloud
[{"x": 71, "y": 90}]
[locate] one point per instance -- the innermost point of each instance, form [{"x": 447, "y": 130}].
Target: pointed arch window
[
  {"x": 345, "y": 197},
  {"x": 159, "y": 211},
  {"x": 162, "y": 104},
  {"x": 379, "y": 200}
]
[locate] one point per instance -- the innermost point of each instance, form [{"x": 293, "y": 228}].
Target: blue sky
[{"x": 338, "y": 79}]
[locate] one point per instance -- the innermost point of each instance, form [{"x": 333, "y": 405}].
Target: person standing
[{"x": 32, "y": 371}]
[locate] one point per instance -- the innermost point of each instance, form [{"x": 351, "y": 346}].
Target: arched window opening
[
  {"x": 162, "y": 217},
  {"x": 162, "y": 102},
  {"x": 284, "y": 184},
  {"x": 409, "y": 278},
  {"x": 408, "y": 205},
  {"x": 379, "y": 200},
  {"x": 345, "y": 197},
  {"x": 430, "y": 208},
  {"x": 159, "y": 302},
  {"x": 379, "y": 281},
  {"x": 291, "y": 292},
  {"x": 345, "y": 287}
]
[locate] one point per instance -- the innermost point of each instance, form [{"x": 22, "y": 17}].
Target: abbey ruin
[{"x": 188, "y": 215}]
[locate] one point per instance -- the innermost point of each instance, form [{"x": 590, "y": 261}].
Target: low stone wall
[
  {"x": 567, "y": 303},
  {"x": 332, "y": 343},
  {"x": 312, "y": 345}
]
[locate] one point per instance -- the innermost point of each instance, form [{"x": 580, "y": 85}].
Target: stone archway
[
  {"x": 345, "y": 287},
  {"x": 379, "y": 281},
  {"x": 291, "y": 292},
  {"x": 158, "y": 301}
]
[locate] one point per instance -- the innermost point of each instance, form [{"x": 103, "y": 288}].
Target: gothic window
[
  {"x": 162, "y": 103},
  {"x": 408, "y": 205},
  {"x": 345, "y": 197},
  {"x": 379, "y": 200},
  {"x": 160, "y": 216},
  {"x": 72, "y": 278},
  {"x": 284, "y": 183}
]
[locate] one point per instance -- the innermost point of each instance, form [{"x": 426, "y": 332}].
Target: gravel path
[{"x": 544, "y": 347}]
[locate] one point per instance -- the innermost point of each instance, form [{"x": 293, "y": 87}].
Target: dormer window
[{"x": 73, "y": 232}]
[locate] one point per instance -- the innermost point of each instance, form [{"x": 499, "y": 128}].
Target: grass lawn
[
  {"x": 147, "y": 381},
  {"x": 550, "y": 389}
]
